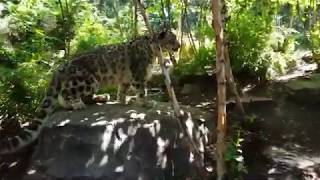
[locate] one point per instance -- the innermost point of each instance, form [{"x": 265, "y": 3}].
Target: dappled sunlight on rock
[
  {"x": 140, "y": 116},
  {"x": 191, "y": 157},
  {"x": 90, "y": 161},
  {"x": 119, "y": 169},
  {"x": 248, "y": 88},
  {"x": 106, "y": 137},
  {"x": 153, "y": 127},
  {"x": 100, "y": 123},
  {"x": 100, "y": 118},
  {"x": 98, "y": 113},
  {"x": 119, "y": 141},
  {"x": 162, "y": 143},
  {"x": 85, "y": 119},
  {"x": 286, "y": 160},
  {"x": 104, "y": 160},
  {"x": 189, "y": 124},
  {"x": 63, "y": 123},
  {"x": 114, "y": 102},
  {"x": 32, "y": 171},
  {"x": 203, "y": 104}
]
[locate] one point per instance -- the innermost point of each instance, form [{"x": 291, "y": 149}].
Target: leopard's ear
[{"x": 162, "y": 34}]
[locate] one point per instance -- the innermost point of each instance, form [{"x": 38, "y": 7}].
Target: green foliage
[
  {"x": 88, "y": 36},
  {"x": 277, "y": 58},
  {"x": 248, "y": 30},
  {"x": 19, "y": 94},
  {"x": 28, "y": 55},
  {"x": 234, "y": 155},
  {"x": 195, "y": 63},
  {"x": 39, "y": 32},
  {"x": 315, "y": 38}
]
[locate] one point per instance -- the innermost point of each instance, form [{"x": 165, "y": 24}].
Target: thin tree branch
[
  {"x": 181, "y": 116},
  {"x": 145, "y": 18}
]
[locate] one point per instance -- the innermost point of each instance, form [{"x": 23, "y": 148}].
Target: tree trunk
[{"x": 221, "y": 92}]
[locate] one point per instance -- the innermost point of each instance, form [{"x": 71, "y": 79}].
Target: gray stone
[{"x": 117, "y": 142}]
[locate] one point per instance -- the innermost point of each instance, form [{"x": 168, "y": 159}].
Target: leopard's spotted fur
[{"x": 123, "y": 64}]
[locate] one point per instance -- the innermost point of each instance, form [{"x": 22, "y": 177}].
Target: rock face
[{"x": 116, "y": 142}]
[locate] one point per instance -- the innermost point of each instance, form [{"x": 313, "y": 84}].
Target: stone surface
[
  {"x": 189, "y": 89},
  {"x": 117, "y": 142},
  {"x": 305, "y": 90}
]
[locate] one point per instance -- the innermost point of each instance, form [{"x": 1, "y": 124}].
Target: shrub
[{"x": 198, "y": 63}]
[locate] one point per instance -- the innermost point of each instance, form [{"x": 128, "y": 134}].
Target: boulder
[{"x": 115, "y": 141}]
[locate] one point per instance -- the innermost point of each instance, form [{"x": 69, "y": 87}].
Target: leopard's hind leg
[
  {"x": 122, "y": 92},
  {"x": 141, "y": 91}
]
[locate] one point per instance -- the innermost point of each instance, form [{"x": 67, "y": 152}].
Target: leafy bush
[
  {"x": 315, "y": 41},
  {"x": 195, "y": 63},
  {"x": 275, "y": 63},
  {"x": 277, "y": 58},
  {"x": 248, "y": 35}
]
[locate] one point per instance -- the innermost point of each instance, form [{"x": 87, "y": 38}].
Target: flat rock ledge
[{"x": 115, "y": 141}]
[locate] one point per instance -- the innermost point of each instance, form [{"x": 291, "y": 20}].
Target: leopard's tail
[{"x": 29, "y": 133}]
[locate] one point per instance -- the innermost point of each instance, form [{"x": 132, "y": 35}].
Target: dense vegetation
[{"x": 37, "y": 35}]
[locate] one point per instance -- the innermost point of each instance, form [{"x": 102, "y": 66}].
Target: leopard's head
[{"x": 168, "y": 41}]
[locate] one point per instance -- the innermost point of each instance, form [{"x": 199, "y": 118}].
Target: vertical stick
[{"x": 221, "y": 92}]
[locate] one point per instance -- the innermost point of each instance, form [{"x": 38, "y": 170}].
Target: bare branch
[{"x": 181, "y": 116}]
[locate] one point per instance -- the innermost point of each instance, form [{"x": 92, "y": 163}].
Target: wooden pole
[{"x": 221, "y": 92}]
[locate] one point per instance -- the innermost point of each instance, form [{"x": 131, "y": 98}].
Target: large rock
[
  {"x": 117, "y": 142},
  {"x": 305, "y": 90}
]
